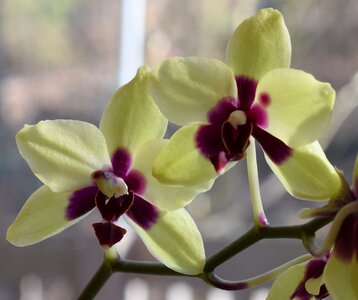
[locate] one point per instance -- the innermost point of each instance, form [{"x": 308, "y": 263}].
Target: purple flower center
[
  {"x": 115, "y": 192},
  {"x": 232, "y": 121}
]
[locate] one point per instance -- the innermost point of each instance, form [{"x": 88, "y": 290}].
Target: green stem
[
  {"x": 143, "y": 267},
  {"x": 252, "y": 236},
  {"x": 338, "y": 220},
  {"x": 97, "y": 281},
  {"x": 246, "y": 240},
  {"x": 256, "y": 234},
  {"x": 223, "y": 284}
]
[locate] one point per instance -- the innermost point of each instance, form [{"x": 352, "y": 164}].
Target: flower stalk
[
  {"x": 223, "y": 284},
  {"x": 97, "y": 282},
  {"x": 252, "y": 236},
  {"x": 343, "y": 213},
  {"x": 254, "y": 184}
]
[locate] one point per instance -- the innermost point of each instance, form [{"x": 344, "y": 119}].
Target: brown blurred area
[{"x": 59, "y": 59}]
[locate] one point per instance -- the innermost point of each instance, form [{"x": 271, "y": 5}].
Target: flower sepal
[{"x": 338, "y": 200}]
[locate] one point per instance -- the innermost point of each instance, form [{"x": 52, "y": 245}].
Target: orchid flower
[
  {"x": 336, "y": 274},
  {"x": 83, "y": 168},
  {"x": 221, "y": 105}
]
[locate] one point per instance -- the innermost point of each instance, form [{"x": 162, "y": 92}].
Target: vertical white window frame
[
  {"x": 130, "y": 57},
  {"x": 132, "y": 39}
]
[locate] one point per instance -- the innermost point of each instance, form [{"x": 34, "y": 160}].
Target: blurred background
[{"x": 64, "y": 59}]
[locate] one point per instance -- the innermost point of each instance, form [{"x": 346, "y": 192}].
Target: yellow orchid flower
[{"x": 83, "y": 168}]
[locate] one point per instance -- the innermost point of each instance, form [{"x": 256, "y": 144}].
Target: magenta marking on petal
[
  {"x": 81, "y": 202},
  {"x": 220, "y": 141},
  {"x": 276, "y": 150},
  {"x": 314, "y": 269},
  {"x": 136, "y": 182},
  {"x": 208, "y": 140},
  {"x": 221, "y": 144},
  {"x": 355, "y": 187},
  {"x": 221, "y": 112},
  {"x": 143, "y": 213},
  {"x": 121, "y": 162},
  {"x": 246, "y": 90},
  {"x": 108, "y": 234},
  {"x": 265, "y": 99},
  {"x": 347, "y": 239},
  {"x": 258, "y": 116}
]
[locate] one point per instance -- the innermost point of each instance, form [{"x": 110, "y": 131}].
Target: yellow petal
[
  {"x": 175, "y": 241},
  {"x": 63, "y": 153},
  {"x": 286, "y": 284},
  {"x": 299, "y": 108},
  {"x": 308, "y": 174},
  {"x": 185, "y": 89},
  {"x": 260, "y": 44},
  {"x": 42, "y": 216},
  {"x": 181, "y": 163},
  {"x": 131, "y": 117},
  {"x": 167, "y": 197},
  {"x": 313, "y": 285},
  {"x": 341, "y": 278}
]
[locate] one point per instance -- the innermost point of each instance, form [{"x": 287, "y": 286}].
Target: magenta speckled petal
[
  {"x": 208, "y": 140},
  {"x": 221, "y": 112},
  {"x": 121, "y": 162},
  {"x": 276, "y": 150},
  {"x": 136, "y": 182},
  {"x": 314, "y": 269},
  {"x": 210, "y": 144},
  {"x": 258, "y": 115},
  {"x": 81, "y": 202},
  {"x": 246, "y": 89},
  {"x": 143, "y": 213},
  {"x": 346, "y": 245}
]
